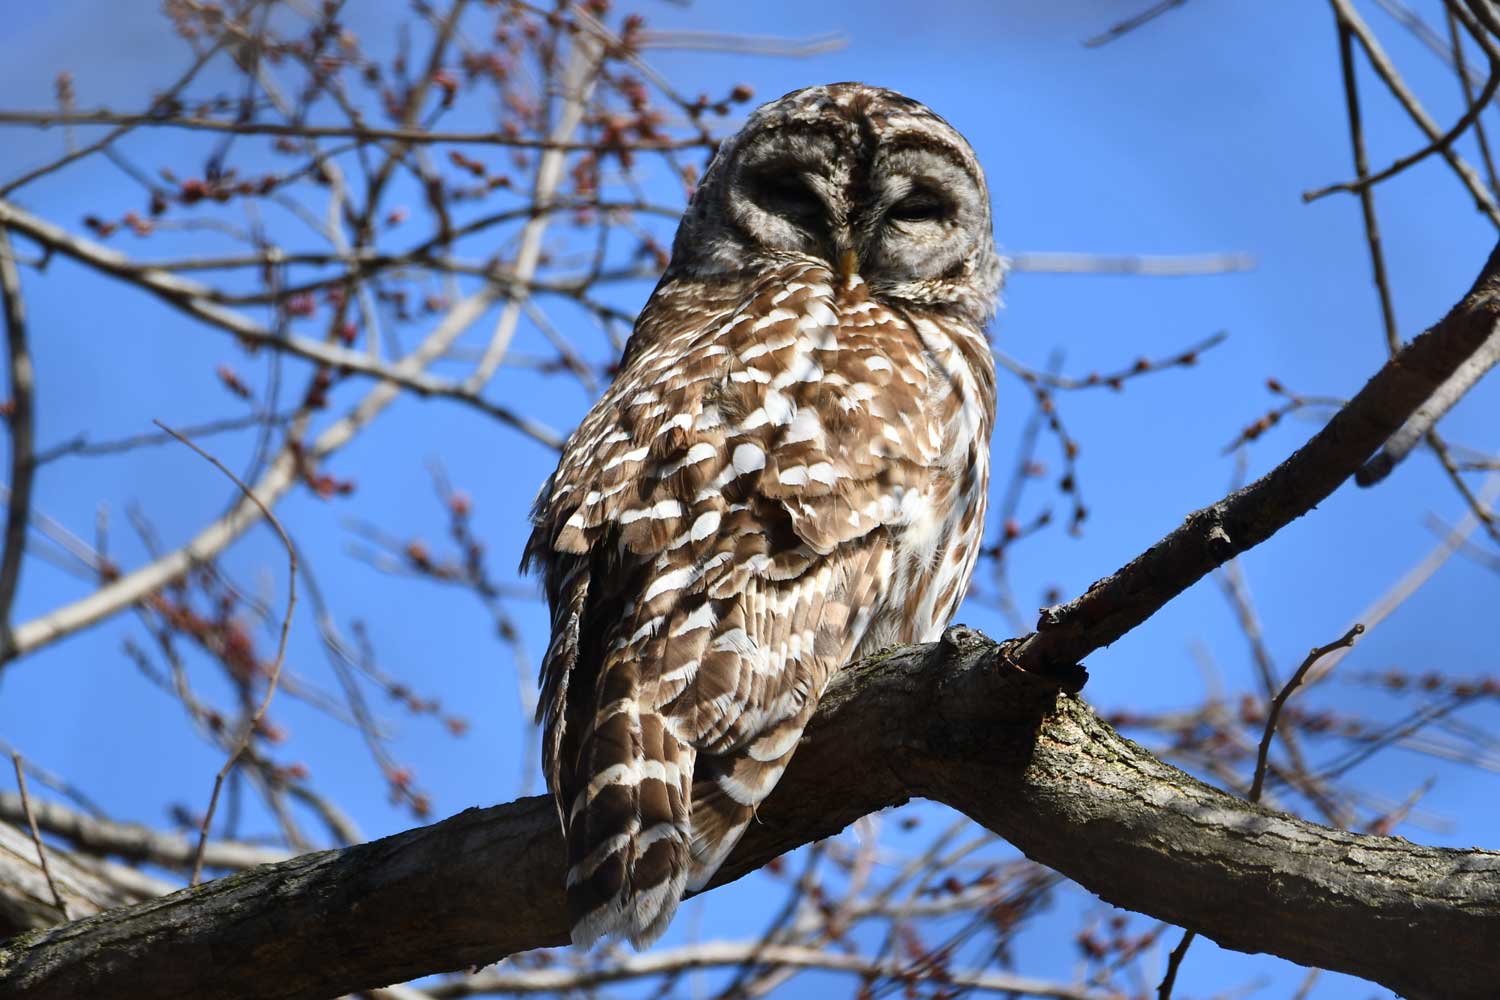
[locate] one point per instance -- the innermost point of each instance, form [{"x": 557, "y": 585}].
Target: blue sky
[{"x": 1196, "y": 134}]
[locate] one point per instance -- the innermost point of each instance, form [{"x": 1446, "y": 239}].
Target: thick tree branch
[{"x": 953, "y": 722}]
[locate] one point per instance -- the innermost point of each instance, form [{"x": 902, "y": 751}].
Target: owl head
[{"x": 861, "y": 178}]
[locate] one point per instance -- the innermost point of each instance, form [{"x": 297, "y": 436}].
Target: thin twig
[
  {"x": 1066, "y": 633},
  {"x": 1487, "y": 518},
  {"x": 1273, "y": 716},
  {"x": 1186, "y": 357},
  {"x": 1420, "y": 29},
  {"x": 1366, "y": 196},
  {"x": 711, "y": 954},
  {"x": 198, "y": 301},
  {"x": 82, "y": 446},
  {"x": 1386, "y": 70},
  {"x": 22, "y": 438},
  {"x": 579, "y": 75},
  {"x": 1236, "y": 588},
  {"x": 1467, "y": 85},
  {"x": 1396, "y": 735},
  {"x": 1365, "y": 182},
  {"x": 1154, "y": 265},
  {"x": 248, "y": 732},
  {"x": 278, "y": 480},
  {"x": 1453, "y": 540},
  {"x": 1131, "y": 23},
  {"x": 1174, "y": 962},
  {"x": 124, "y": 127},
  {"x": 412, "y": 136},
  {"x": 36, "y": 836},
  {"x": 758, "y": 45}
]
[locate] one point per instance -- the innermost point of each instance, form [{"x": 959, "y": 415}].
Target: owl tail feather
[
  {"x": 628, "y": 829},
  {"x": 727, "y": 788}
]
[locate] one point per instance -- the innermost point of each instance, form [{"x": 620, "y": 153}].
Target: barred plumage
[{"x": 788, "y": 472}]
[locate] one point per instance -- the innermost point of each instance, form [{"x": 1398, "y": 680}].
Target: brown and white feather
[{"x": 788, "y": 472}]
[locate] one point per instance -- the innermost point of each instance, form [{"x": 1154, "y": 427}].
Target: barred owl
[{"x": 788, "y": 472}]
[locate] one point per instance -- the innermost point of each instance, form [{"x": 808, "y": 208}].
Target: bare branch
[
  {"x": 36, "y": 837},
  {"x": 1388, "y": 74},
  {"x": 1421, "y": 423},
  {"x": 88, "y": 885},
  {"x": 577, "y": 84},
  {"x": 1133, "y": 22},
  {"x": 760, "y": 45},
  {"x": 1155, "y": 265},
  {"x": 1273, "y": 716},
  {"x": 134, "y": 842},
  {"x": 248, "y": 729},
  {"x": 1213, "y": 535},
  {"x": 1453, "y": 540},
  {"x": 22, "y": 419},
  {"x": 715, "y": 954},
  {"x": 1466, "y": 84},
  {"x": 412, "y": 136},
  {"x": 82, "y": 446},
  {"x": 1440, "y": 144},
  {"x": 1174, "y": 963},
  {"x": 198, "y": 301},
  {"x": 119, "y": 132},
  {"x": 1366, "y": 196},
  {"x": 1142, "y": 366},
  {"x": 278, "y": 479},
  {"x": 951, "y": 722}
]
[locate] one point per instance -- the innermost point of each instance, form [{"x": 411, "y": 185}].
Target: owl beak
[{"x": 848, "y": 264}]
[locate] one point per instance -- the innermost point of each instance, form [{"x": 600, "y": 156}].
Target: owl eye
[
  {"x": 783, "y": 192},
  {"x": 919, "y": 206}
]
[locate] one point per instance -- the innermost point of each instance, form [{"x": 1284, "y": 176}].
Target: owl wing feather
[{"x": 717, "y": 540}]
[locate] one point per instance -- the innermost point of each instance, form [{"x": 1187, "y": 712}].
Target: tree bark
[{"x": 955, "y": 722}]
